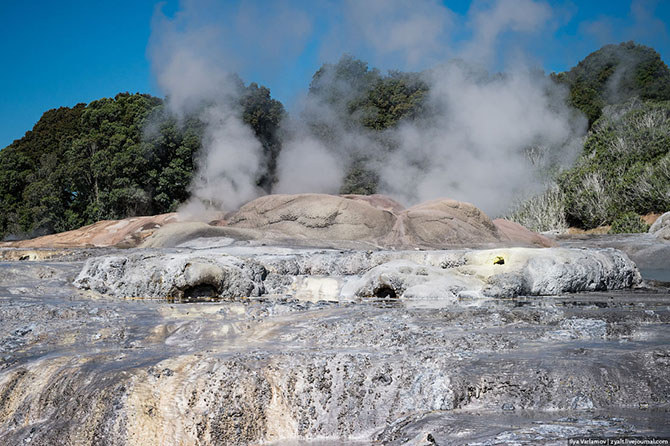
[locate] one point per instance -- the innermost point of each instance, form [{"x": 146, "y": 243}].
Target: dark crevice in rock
[
  {"x": 385, "y": 291},
  {"x": 201, "y": 292}
]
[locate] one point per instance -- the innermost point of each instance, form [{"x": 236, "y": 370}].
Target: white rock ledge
[{"x": 230, "y": 273}]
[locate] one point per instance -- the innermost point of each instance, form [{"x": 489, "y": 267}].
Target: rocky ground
[
  {"x": 333, "y": 320},
  {"x": 298, "y": 362}
]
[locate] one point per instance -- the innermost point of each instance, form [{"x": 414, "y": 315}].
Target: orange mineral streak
[{"x": 128, "y": 232}]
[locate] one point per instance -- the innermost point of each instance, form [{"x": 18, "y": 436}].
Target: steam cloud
[{"x": 489, "y": 140}]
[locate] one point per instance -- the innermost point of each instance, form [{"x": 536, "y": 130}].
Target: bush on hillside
[
  {"x": 542, "y": 213},
  {"x": 625, "y": 166},
  {"x": 615, "y": 74},
  {"x": 628, "y": 223}
]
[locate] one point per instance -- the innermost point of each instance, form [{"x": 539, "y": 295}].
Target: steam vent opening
[
  {"x": 499, "y": 260},
  {"x": 202, "y": 292},
  {"x": 385, "y": 291}
]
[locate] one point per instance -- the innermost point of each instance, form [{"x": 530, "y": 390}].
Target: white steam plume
[
  {"x": 473, "y": 147},
  {"x": 189, "y": 70},
  {"x": 490, "y": 143}
]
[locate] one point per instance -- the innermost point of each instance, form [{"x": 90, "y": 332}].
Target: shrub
[
  {"x": 628, "y": 223},
  {"x": 625, "y": 166},
  {"x": 543, "y": 212}
]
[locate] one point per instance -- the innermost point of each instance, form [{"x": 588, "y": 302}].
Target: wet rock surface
[{"x": 79, "y": 366}]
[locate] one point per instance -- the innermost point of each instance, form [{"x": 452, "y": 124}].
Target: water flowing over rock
[
  {"x": 238, "y": 334},
  {"x": 93, "y": 370}
]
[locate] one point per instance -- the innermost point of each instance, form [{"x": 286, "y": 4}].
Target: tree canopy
[
  {"x": 112, "y": 159},
  {"x": 615, "y": 74}
]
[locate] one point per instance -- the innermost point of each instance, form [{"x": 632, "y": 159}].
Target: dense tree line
[
  {"x": 113, "y": 158},
  {"x": 360, "y": 100}
]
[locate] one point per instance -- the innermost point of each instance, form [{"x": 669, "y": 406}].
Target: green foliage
[
  {"x": 362, "y": 101},
  {"x": 390, "y": 99},
  {"x": 112, "y": 159},
  {"x": 359, "y": 180},
  {"x": 625, "y": 166},
  {"x": 624, "y": 170},
  {"x": 264, "y": 114},
  {"x": 628, "y": 223},
  {"x": 127, "y": 156},
  {"x": 615, "y": 74},
  {"x": 336, "y": 85}
]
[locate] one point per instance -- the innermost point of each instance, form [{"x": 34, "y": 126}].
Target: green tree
[{"x": 615, "y": 74}]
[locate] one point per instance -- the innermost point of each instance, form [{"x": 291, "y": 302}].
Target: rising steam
[{"x": 489, "y": 139}]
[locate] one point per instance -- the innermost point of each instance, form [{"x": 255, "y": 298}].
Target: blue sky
[{"x": 61, "y": 53}]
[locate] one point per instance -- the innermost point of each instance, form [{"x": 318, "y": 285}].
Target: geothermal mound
[
  {"x": 372, "y": 221},
  {"x": 349, "y": 346},
  {"x": 347, "y": 221},
  {"x": 315, "y": 216},
  {"x": 124, "y": 233},
  {"x": 445, "y": 222}
]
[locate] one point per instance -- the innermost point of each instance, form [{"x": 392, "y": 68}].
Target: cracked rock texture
[
  {"x": 374, "y": 221},
  {"x": 344, "y": 275},
  {"x": 316, "y": 220},
  {"x": 314, "y": 216},
  {"x": 310, "y": 346}
]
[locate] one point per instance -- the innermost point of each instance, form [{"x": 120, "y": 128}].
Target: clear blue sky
[{"x": 59, "y": 53}]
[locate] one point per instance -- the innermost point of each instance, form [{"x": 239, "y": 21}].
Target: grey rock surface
[
  {"x": 649, "y": 253},
  {"x": 661, "y": 227},
  {"x": 314, "y": 216},
  {"x": 172, "y": 276},
  {"x": 232, "y": 272},
  {"x": 87, "y": 368}
]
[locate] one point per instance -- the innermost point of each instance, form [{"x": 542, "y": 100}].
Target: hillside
[
  {"x": 624, "y": 169},
  {"x": 130, "y": 155},
  {"x": 613, "y": 75},
  {"x": 623, "y": 173}
]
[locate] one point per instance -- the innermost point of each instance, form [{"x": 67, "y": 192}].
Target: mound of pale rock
[
  {"x": 179, "y": 232},
  {"x": 444, "y": 222},
  {"x": 378, "y": 201},
  {"x": 314, "y": 216},
  {"x": 514, "y": 232},
  {"x": 123, "y": 233},
  {"x": 351, "y": 275},
  {"x": 365, "y": 221},
  {"x": 348, "y": 221},
  {"x": 172, "y": 276},
  {"x": 661, "y": 227}
]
